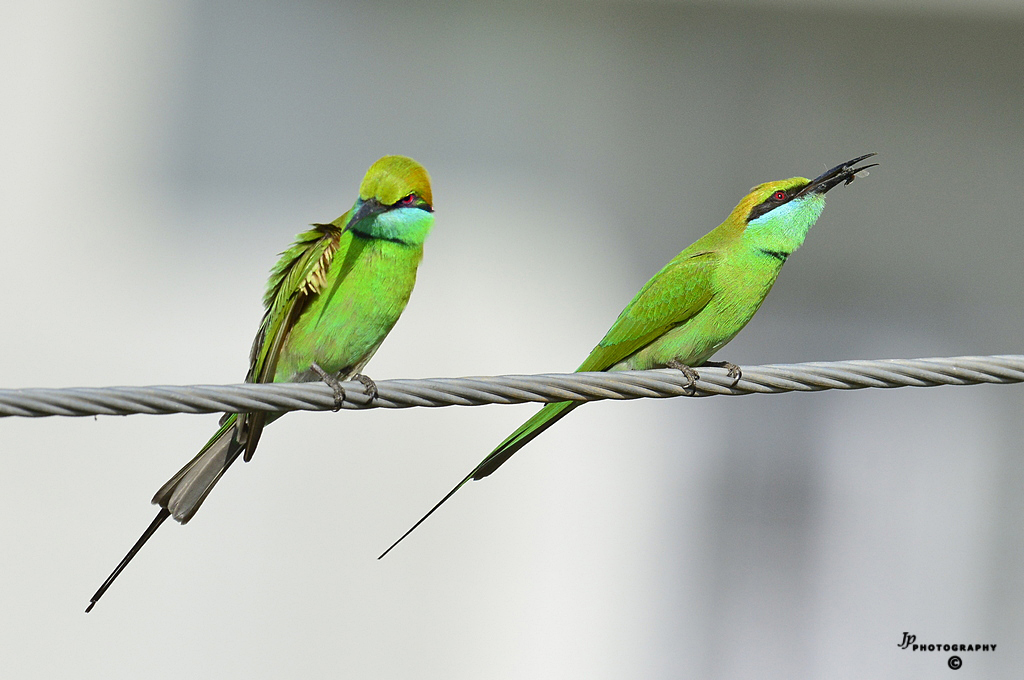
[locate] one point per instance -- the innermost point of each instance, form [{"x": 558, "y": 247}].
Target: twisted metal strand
[{"x": 513, "y": 389}]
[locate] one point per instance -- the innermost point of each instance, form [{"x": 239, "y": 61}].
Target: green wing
[
  {"x": 674, "y": 295},
  {"x": 299, "y": 275}
]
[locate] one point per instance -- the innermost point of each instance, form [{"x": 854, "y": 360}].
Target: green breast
[{"x": 368, "y": 286}]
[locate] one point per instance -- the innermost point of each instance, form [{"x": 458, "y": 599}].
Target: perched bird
[
  {"x": 331, "y": 300},
  {"x": 698, "y": 302}
]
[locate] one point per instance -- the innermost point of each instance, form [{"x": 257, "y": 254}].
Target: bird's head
[
  {"x": 782, "y": 212},
  {"x": 395, "y": 202}
]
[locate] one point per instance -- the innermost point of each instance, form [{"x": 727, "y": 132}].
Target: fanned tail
[
  {"x": 542, "y": 420},
  {"x": 185, "y": 492}
]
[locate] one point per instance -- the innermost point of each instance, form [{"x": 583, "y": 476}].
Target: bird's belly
[{"x": 343, "y": 326}]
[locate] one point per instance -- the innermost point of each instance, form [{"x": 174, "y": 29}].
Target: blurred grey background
[{"x": 154, "y": 158}]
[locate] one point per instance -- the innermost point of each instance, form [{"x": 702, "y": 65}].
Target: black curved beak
[
  {"x": 368, "y": 208},
  {"x": 841, "y": 173}
]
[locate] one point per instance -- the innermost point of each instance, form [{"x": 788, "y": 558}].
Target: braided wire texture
[{"x": 512, "y": 389}]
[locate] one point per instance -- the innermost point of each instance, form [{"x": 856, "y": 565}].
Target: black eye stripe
[
  {"x": 771, "y": 203},
  {"x": 412, "y": 200}
]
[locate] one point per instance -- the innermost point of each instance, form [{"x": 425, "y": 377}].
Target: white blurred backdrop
[{"x": 155, "y": 156}]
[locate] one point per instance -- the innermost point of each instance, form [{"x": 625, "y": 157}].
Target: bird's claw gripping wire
[
  {"x": 691, "y": 375},
  {"x": 733, "y": 371},
  {"x": 334, "y": 383},
  {"x": 371, "y": 387}
]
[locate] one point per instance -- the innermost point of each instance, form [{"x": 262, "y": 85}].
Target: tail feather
[
  {"x": 183, "y": 493},
  {"x": 542, "y": 420},
  {"x": 527, "y": 432},
  {"x": 154, "y": 525}
]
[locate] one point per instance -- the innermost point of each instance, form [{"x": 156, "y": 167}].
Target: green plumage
[
  {"x": 331, "y": 300},
  {"x": 699, "y": 301},
  {"x": 369, "y": 282}
]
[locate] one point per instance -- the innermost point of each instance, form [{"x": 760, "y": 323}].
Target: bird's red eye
[
  {"x": 409, "y": 200},
  {"x": 779, "y": 195}
]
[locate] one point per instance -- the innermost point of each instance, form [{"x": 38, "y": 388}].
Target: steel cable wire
[{"x": 512, "y": 389}]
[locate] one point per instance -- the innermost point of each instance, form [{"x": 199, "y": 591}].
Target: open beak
[{"x": 841, "y": 173}]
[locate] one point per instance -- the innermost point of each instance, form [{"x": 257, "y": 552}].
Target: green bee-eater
[
  {"x": 698, "y": 302},
  {"x": 331, "y": 300}
]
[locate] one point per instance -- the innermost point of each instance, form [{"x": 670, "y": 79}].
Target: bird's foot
[
  {"x": 371, "y": 387},
  {"x": 691, "y": 375},
  {"x": 734, "y": 371},
  {"x": 333, "y": 382}
]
